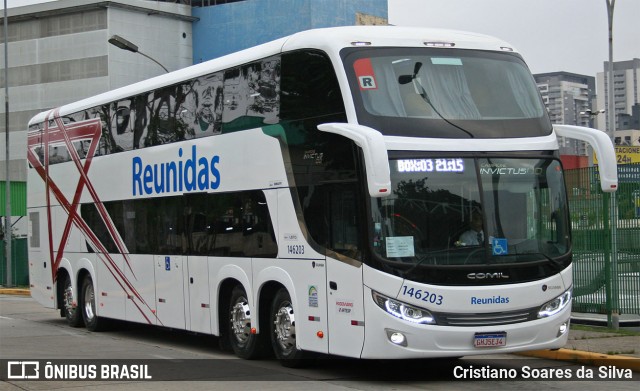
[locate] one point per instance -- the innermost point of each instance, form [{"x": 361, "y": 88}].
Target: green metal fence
[
  {"x": 606, "y": 242},
  {"x": 19, "y": 263}
]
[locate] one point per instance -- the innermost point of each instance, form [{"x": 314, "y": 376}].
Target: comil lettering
[{"x": 191, "y": 174}]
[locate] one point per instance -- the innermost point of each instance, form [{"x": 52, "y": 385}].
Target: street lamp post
[
  {"x": 7, "y": 183},
  {"x": 613, "y": 316},
  {"x": 592, "y": 115},
  {"x": 610, "y": 103},
  {"x": 124, "y": 44}
]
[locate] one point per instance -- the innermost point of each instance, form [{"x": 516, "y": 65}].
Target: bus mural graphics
[{"x": 61, "y": 134}]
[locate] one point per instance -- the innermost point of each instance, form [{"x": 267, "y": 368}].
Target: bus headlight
[
  {"x": 402, "y": 310},
  {"x": 556, "y": 305}
]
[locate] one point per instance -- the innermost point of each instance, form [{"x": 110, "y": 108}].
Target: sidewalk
[
  {"x": 591, "y": 347},
  {"x": 596, "y": 348}
]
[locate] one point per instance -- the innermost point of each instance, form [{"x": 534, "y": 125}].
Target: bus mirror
[
  {"x": 602, "y": 145},
  {"x": 376, "y": 160}
]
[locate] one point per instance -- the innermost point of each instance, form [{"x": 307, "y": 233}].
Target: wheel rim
[
  {"x": 241, "y": 320},
  {"x": 285, "y": 328},
  {"x": 68, "y": 298},
  {"x": 89, "y": 302}
]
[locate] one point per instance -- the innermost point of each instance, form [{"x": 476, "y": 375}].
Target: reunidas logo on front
[{"x": 187, "y": 173}]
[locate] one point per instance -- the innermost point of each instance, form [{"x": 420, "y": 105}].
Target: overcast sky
[{"x": 552, "y": 35}]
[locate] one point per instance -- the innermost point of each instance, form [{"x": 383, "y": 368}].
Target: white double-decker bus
[{"x": 373, "y": 192}]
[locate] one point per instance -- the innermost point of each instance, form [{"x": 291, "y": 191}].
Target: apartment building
[
  {"x": 569, "y": 99},
  {"x": 626, "y": 93}
]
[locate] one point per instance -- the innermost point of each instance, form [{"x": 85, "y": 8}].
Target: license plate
[{"x": 490, "y": 340}]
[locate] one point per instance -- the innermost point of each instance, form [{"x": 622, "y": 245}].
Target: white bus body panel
[
  {"x": 140, "y": 305},
  {"x": 458, "y": 341},
  {"x": 170, "y": 290},
  {"x": 221, "y": 269},
  {"x": 40, "y": 284},
  {"x": 111, "y": 298},
  {"x": 247, "y": 161},
  {"x": 199, "y": 305},
  {"x": 40, "y": 280},
  {"x": 346, "y": 310},
  {"x": 308, "y": 297}
]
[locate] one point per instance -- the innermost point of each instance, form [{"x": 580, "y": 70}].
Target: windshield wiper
[
  {"x": 424, "y": 257},
  {"x": 420, "y": 261},
  {"x": 557, "y": 264},
  {"x": 404, "y": 79}
]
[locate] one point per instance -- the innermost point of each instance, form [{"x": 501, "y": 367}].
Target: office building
[
  {"x": 59, "y": 53},
  {"x": 224, "y": 27},
  {"x": 626, "y": 94},
  {"x": 569, "y": 100}
]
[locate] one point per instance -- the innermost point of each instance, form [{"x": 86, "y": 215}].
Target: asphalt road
[{"x": 179, "y": 360}]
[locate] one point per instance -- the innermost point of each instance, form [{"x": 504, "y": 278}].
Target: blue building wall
[{"x": 227, "y": 28}]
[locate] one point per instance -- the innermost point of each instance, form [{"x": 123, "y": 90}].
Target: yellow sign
[{"x": 624, "y": 155}]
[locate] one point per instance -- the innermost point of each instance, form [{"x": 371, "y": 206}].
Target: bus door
[{"x": 345, "y": 305}]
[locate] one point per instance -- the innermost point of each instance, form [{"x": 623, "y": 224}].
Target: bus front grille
[{"x": 485, "y": 319}]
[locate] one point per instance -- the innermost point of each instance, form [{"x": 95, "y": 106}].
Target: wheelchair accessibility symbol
[{"x": 499, "y": 246}]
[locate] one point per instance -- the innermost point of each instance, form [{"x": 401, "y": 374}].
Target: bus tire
[
  {"x": 244, "y": 344},
  {"x": 283, "y": 331},
  {"x": 70, "y": 304},
  {"x": 89, "y": 314}
]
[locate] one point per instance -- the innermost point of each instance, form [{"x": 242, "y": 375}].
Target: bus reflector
[
  {"x": 254, "y": 331},
  {"x": 357, "y": 323},
  {"x": 320, "y": 334}
]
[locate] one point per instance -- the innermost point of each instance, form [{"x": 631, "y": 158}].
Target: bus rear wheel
[
  {"x": 70, "y": 304},
  {"x": 89, "y": 314},
  {"x": 244, "y": 343},
  {"x": 283, "y": 330}
]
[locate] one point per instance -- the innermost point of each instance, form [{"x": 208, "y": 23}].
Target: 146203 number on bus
[
  {"x": 295, "y": 249},
  {"x": 422, "y": 295}
]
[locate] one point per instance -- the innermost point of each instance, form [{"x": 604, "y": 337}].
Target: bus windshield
[
  {"x": 449, "y": 93},
  {"x": 454, "y": 211}
]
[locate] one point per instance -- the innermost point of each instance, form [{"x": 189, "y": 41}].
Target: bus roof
[{"x": 331, "y": 40}]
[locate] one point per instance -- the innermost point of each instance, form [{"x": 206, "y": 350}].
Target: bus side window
[
  {"x": 202, "y": 107},
  {"x": 259, "y": 236},
  {"x": 90, "y": 214},
  {"x": 309, "y": 86},
  {"x": 251, "y": 95}
]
